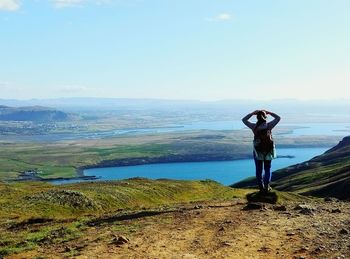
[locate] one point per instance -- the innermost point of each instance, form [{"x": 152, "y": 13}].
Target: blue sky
[{"x": 180, "y": 49}]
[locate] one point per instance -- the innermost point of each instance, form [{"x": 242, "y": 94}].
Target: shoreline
[
  {"x": 140, "y": 161},
  {"x": 135, "y": 162},
  {"x": 157, "y": 160}
]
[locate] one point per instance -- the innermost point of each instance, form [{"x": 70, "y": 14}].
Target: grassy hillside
[
  {"x": 324, "y": 175},
  {"x": 31, "y": 213},
  {"x": 32, "y": 113},
  {"x": 36, "y": 214},
  {"x": 36, "y": 199}
]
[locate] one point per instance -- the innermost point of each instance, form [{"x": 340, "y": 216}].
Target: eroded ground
[{"x": 214, "y": 230}]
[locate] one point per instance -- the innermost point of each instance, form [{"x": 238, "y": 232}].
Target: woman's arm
[
  {"x": 275, "y": 121},
  {"x": 246, "y": 121}
]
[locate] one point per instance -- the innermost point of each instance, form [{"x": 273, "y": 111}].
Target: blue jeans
[{"x": 259, "y": 164}]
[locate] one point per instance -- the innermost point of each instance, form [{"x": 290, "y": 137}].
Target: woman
[{"x": 264, "y": 148}]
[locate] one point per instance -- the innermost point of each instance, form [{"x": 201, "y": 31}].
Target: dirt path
[{"x": 223, "y": 230}]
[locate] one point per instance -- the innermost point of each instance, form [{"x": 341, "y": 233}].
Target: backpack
[{"x": 263, "y": 141}]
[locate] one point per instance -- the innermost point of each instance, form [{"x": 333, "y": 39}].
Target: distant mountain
[
  {"x": 285, "y": 105},
  {"x": 327, "y": 175},
  {"x": 32, "y": 113}
]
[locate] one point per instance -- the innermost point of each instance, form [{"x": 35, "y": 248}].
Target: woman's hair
[{"x": 261, "y": 117}]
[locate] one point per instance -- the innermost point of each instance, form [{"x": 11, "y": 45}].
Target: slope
[{"x": 324, "y": 175}]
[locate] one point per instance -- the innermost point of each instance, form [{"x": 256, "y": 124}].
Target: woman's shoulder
[{"x": 251, "y": 125}]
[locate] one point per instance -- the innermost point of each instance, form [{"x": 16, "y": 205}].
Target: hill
[
  {"x": 32, "y": 214},
  {"x": 32, "y": 113},
  {"x": 322, "y": 176},
  {"x": 140, "y": 218}
]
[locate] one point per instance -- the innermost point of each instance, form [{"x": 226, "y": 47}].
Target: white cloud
[
  {"x": 4, "y": 85},
  {"x": 77, "y": 3},
  {"x": 220, "y": 18},
  {"x": 73, "y": 89},
  {"x": 9, "y": 5},
  {"x": 67, "y": 3}
]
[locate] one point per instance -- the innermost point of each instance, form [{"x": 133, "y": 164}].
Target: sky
[{"x": 175, "y": 49}]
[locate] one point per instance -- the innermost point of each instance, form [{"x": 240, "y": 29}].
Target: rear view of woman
[{"x": 264, "y": 147}]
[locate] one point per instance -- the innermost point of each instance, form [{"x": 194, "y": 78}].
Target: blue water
[
  {"x": 330, "y": 129},
  {"x": 225, "y": 172}
]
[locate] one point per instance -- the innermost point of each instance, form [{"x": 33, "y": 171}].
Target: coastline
[
  {"x": 137, "y": 161},
  {"x": 161, "y": 160}
]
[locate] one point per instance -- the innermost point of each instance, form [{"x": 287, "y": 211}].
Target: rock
[
  {"x": 120, "y": 240},
  {"x": 280, "y": 208},
  {"x": 303, "y": 249},
  {"x": 291, "y": 234},
  {"x": 270, "y": 197},
  {"x": 330, "y": 199},
  {"x": 319, "y": 249},
  {"x": 337, "y": 210},
  {"x": 344, "y": 231},
  {"x": 254, "y": 206},
  {"x": 226, "y": 244},
  {"x": 222, "y": 229},
  {"x": 305, "y": 209},
  {"x": 264, "y": 249},
  {"x": 197, "y": 207}
]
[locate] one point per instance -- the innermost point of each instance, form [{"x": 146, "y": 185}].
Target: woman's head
[{"x": 261, "y": 116}]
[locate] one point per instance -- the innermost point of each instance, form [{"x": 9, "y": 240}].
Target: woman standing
[{"x": 264, "y": 147}]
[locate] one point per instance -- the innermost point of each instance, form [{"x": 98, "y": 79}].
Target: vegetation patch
[{"x": 69, "y": 198}]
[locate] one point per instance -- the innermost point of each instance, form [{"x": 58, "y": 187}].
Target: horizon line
[{"x": 178, "y": 100}]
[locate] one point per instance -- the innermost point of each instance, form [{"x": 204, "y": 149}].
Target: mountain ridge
[
  {"x": 32, "y": 113},
  {"x": 324, "y": 175}
]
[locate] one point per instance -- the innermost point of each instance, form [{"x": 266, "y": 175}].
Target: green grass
[
  {"x": 61, "y": 160},
  {"x": 23, "y": 205},
  {"x": 42, "y": 200},
  {"x": 34, "y": 214},
  {"x": 54, "y": 171}
]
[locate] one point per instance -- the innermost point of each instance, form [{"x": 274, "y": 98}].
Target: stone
[
  {"x": 254, "y": 206},
  {"x": 221, "y": 229},
  {"x": 344, "y": 231},
  {"x": 270, "y": 197},
  {"x": 120, "y": 240},
  {"x": 280, "y": 208},
  {"x": 226, "y": 244},
  {"x": 264, "y": 249},
  {"x": 305, "y": 209},
  {"x": 330, "y": 199},
  {"x": 337, "y": 210}
]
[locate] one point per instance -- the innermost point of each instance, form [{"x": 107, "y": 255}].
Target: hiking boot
[
  {"x": 261, "y": 188},
  {"x": 268, "y": 188}
]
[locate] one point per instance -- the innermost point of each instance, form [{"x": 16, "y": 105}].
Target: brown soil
[{"x": 216, "y": 230}]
